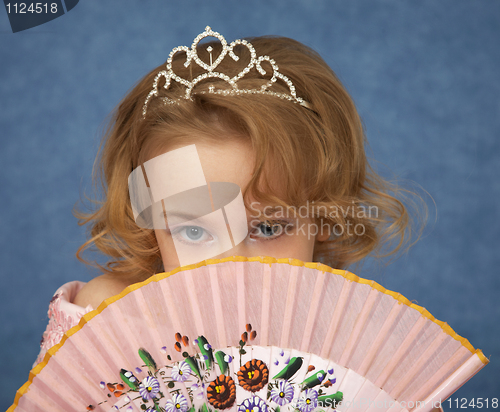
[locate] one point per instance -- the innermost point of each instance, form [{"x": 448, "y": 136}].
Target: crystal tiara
[{"x": 211, "y": 72}]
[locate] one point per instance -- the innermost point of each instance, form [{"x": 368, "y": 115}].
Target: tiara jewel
[{"x": 211, "y": 72}]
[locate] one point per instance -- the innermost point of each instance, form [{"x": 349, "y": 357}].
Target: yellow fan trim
[{"x": 264, "y": 259}]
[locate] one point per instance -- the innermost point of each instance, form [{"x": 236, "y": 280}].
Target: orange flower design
[
  {"x": 221, "y": 393},
  {"x": 253, "y": 375}
]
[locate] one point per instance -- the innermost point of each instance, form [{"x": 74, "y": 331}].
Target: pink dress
[{"x": 63, "y": 315}]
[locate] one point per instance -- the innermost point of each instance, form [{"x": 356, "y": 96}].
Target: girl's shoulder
[{"x": 99, "y": 289}]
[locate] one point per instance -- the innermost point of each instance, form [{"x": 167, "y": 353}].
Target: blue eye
[
  {"x": 192, "y": 235},
  {"x": 194, "y": 232},
  {"x": 269, "y": 230}
]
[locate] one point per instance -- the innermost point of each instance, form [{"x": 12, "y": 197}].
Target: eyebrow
[
  {"x": 189, "y": 217},
  {"x": 176, "y": 213}
]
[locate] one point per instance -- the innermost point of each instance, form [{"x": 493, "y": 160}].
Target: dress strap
[{"x": 63, "y": 315}]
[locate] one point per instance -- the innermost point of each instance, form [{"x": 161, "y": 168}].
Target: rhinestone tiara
[{"x": 211, "y": 72}]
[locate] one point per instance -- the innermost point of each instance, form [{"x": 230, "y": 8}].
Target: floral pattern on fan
[{"x": 236, "y": 379}]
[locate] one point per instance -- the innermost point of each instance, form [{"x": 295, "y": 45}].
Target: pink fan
[{"x": 253, "y": 334}]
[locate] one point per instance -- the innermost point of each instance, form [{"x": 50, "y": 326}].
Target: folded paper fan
[{"x": 253, "y": 334}]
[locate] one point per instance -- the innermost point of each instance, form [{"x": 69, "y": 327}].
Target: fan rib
[
  {"x": 358, "y": 326},
  {"x": 313, "y": 311},
  {"x": 78, "y": 393},
  {"x": 34, "y": 401},
  {"x": 383, "y": 398},
  {"x": 83, "y": 347},
  {"x": 148, "y": 307},
  {"x": 350, "y": 386},
  {"x": 419, "y": 363},
  {"x": 159, "y": 308},
  {"x": 445, "y": 370},
  {"x": 241, "y": 304},
  {"x": 266, "y": 302},
  {"x": 337, "y": 314},
  {"x": 396, "y": 359},
  {"x": 47, "y": 391},
  {"x": 193, "y": 300},
  {"x": 366, "y": 396},
  {"x": 295, "y": 308},
  {"x": 129, "y": 336},
  {"x": 66, "y": 370},
  {"x": 290, "y": 297},
  {"x": 457, "y": 379},
  {"x": 217, "y": 301},
  {"x": 172, "y": 309},
  {"x": 381, "y": 338}
]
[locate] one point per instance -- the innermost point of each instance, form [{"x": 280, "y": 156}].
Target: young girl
[{"x": 269, "y": 116}]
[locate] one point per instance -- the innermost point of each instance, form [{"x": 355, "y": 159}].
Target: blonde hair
[{"x": 318, "y": 153}]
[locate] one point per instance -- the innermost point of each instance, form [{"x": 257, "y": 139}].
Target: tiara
[{"x": 211, "y": 72}]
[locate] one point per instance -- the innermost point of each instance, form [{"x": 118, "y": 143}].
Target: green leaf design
[
  {"x": 129, "y": 378},
  {"x": 223, "y": 365},
  {"x": 205, "y": 350},
  {"x": 331, "y": 401},
  {"x": 193, "y": 365},
  {"x": 289, "y": 370},
  {"x": 148, "y": 360},
  {"x": 315, "y": 379}
]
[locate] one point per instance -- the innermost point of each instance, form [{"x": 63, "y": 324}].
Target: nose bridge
[{"x": 241, "y": 249}]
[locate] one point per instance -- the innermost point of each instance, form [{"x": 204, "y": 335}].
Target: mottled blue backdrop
[{"x": 424, "y": 75}]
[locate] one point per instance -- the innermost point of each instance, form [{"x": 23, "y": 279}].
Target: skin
[
  {"x": 269, "y": 232},
  {"x": 229, "y": 162}
]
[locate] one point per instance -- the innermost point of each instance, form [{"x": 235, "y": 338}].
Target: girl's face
[{"x": 270, "y": 232}]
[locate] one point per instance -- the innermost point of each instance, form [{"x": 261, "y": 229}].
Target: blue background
[{"x": 424, "y": 75}]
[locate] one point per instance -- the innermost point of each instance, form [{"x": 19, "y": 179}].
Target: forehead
[
  {"x": 235, "y": 162},
  {"x": 231, "y": 160}
]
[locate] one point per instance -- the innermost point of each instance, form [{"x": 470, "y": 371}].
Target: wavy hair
[{"x": 318, "y": 155}]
